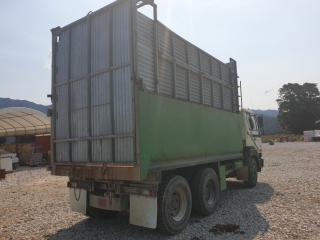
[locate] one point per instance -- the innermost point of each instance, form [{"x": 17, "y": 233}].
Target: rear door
[{"x": 93, "y": 90}]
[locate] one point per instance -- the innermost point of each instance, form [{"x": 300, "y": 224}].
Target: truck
[{"x": 143, "y": 121}]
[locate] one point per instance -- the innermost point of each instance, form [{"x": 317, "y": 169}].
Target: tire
[
  {"x": 174, "y": 205},
  {"x": 252, "y": 173},
  {"x": 205, "y": 191}
]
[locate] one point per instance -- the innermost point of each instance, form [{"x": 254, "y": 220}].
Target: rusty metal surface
[
  {"x": 2, "y": 174},
  {"x": 98, "y": 172}
]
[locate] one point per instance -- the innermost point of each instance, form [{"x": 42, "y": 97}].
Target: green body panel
[
  {"x": 171, "y": 129},
  {"x": 222, "y": 176}
]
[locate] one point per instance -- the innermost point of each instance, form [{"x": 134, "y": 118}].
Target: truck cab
[{"x": 252, "y": 128}]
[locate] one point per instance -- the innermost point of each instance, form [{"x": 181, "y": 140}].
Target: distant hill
[
  {"x": 270, "y": 122},
  {"x": 269, "y": 112},
  {"x": 8, "y": 102}
]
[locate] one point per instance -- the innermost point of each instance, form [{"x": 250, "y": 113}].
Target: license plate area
[{"x": 108, "y": 202}]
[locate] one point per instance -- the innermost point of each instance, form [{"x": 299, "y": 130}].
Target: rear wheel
[
  {"x": 252, "y": 173},
  {"x": 174, "y": 205},
  {"x": 205, "y": 191}
]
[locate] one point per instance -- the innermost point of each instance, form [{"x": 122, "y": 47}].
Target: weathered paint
[{"x": 170, "y": 129}]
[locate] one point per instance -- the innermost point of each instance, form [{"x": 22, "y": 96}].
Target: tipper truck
[{"x": 143, "y": 121}]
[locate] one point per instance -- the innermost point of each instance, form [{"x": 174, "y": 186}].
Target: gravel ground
[{"x": 284, "y": 205}]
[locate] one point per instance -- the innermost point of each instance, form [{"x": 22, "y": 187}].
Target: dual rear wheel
[{"x": 176, "y": 199}]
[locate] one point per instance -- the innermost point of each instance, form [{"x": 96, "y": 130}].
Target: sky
[{"x": 273, "y": 41}]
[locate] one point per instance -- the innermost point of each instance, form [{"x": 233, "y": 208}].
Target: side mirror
[{"x": 260, "y": 122}]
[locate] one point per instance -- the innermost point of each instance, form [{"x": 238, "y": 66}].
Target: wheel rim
[
  {"x": 210, "y": 192},
  {"x": 178, "y": 204}
]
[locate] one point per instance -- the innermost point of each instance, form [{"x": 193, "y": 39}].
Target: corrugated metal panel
[
  {"x": 217, "y": 95},
  {"x": 62, "y": 64},
  {"x": 121, "y": 34},
  {"x": 205, "y": 63},
  {"x": 102, "y": 150},
  {"x": 61, "y": 98},
  {"x": 181, "y": 83},
  {"x": 122, "y": 85},
  {"x": 225, "y": 73},
  {"x": 101, "y": 117},
  {"x": 195, "y": 88},
  {"x": 79, "y": 120},
  {"x": 62, "y": 112},
  {"x": 101, "y": 100},
  {"x": 216, "y": 68},
  {"x": 178, "y": 60},
  {"x": 79, "y": 92},
  {"x": 145, "y": 51},
  {"x": 62, "y": 152},
  {"x": 107, "y": 88},
  {"x": 207, "y": 91},
  {"x": 123, "y": 114},
  {"x": 193, "y": 56},
  {"x": 180, "y": 49},
  {"x": 227, "y": 98},
  {"x": 165, "y": 77},
  {"x": 165, "y": 44},
  {"x": 100, "y": 40},
  {"x": 79, "y": 50}
]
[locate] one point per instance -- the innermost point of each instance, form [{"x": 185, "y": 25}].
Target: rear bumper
[{"x": 101, "y": 172}]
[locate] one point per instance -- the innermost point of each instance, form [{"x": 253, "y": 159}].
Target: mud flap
[
  {"x": 78, "y": 200},
  {"x": 143, "y": 211}
]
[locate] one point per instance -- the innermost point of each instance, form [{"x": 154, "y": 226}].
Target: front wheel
[
  {"x": 174, "y": 205},
  {"x": 252, "y": 173}
]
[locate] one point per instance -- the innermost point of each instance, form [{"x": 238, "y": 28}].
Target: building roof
[{"x": 16, "y": 121}]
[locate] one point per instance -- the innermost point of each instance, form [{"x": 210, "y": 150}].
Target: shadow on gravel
[{"x": 237, "y": 210}]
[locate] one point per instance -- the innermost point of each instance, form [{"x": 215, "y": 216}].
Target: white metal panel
[
  {"x": 100, "y": 42},
  {"x": 207, "y": 91},
  {"x": 181, "y": 83},
  {"x": 62, "y": 66},
  {"x": 193, "y": 56},
  {"x": 62, "y": 152},
  {"x": 100, "y": 88},
  {"x": 216, "y": 68},
  {"x": 79, "y": 50},
  {"x": 180, "y": 49},
  {"x": 123, "y": 115},
  {"x": 217, "y": 95},
  {"x": 195, "y": 88},
  {"x": 205, "y": 63},
  {"x": 165, "y": 43},
  {"x": 101, "y": 92},
  {"x": 145, "y": 51},
  {"x": 165, "y": 77},
  {"x": 227, "y": 98},
  {"x": 101, "y": 117},
  {"x": 121, "y": 34},
  {"x": 225, "y": 74}
]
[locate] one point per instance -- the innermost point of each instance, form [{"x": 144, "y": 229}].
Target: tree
[{"x": 299, "y": 106}]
